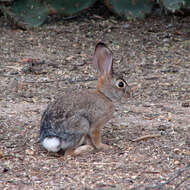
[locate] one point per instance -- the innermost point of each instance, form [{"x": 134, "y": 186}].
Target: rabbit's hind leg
[
  {"x": 79, "y": 148},
  {"x": 95, "y": 138},
  {"x": 78, "y": 151},
  {"x": 82, "y": 149}
]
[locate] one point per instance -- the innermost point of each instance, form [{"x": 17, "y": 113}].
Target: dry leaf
[
  {"x": 169, "y": 116},
  {"x": 1, "y": 153}
]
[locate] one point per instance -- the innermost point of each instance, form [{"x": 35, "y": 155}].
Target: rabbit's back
[
  {"x": 73, "y": 115},
  {"x": 83, "y": 102}
]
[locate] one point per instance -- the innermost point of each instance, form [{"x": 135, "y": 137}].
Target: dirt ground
[{"x": 149, "y": 136}]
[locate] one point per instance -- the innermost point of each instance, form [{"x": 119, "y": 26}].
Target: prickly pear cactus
[
  {"x": 32, "y": 13},
  {"x": 130, "y": 8},
  {"x": 26, "y": 13},
  {"x": 187, "y": 3},
  {"x": 172, "y": 5}
]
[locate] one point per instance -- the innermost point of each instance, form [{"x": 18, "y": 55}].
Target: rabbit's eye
[{"x": 120, "y": 84}]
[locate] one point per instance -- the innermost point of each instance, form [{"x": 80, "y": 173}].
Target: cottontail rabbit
[{"x": 73, "y": 122}]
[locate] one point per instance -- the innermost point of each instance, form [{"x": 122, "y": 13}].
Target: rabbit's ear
[{"x": 103, "y": 59}]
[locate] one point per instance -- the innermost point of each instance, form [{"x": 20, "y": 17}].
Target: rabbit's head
[{"x": 111, "y": 85}]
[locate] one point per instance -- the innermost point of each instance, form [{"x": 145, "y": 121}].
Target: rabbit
[{"x": 73, "y": 122}]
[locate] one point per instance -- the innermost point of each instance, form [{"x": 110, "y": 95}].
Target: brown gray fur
[{"x": 73, "y": 122}]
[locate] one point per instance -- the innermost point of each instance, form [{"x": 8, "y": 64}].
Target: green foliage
[
  {"x": 172, "y": 5},
  {"x": 130, "y": 8},
  {"x": 32, "y": 13},
  {"x": 21, "y": 11},
  {"x": 27, "y": 13},
  {"x": 187, "y": 3}
]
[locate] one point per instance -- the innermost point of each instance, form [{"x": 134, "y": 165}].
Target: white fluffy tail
[{"x": 52, "y": 144}]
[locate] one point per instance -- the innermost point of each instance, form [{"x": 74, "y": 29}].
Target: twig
[
  {"x": 174, "y": 176},
  {"x": 185, "y": 179},
  {"x": 2, "y": 75},
  {"x": 177, "y": 174},
  {"x": 146, "y": 137},
  {"x": 15, "y": 182},
  {"x": 48, "y": 81},
  {"x": 9, "y": 181},
  {"x": 121, "y": 60},
  {"x": 68, "y": 80}
]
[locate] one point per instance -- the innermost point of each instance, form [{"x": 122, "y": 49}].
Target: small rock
[{"x": 176, "y": 162}]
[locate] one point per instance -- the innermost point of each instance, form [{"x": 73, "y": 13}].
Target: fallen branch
[
  {"x": 175, "y": 175},
  {"x": 145, "y": 137},
  {"x": 185, "y": 179}
]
